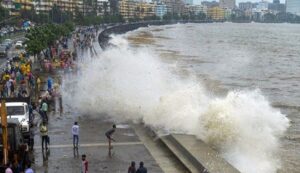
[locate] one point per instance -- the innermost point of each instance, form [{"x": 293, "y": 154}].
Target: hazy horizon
[{"x": 237, "y": 1}]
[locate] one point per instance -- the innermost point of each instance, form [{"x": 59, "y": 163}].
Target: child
[{"x": 84, "y": 164}]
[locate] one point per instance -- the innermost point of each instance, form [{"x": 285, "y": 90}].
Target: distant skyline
[{"x": 237, "y": 1}]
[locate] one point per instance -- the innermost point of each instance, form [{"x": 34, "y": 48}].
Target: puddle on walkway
[
  {"x": 123, "y": 126},
  {"x": 128, "y": 134}
]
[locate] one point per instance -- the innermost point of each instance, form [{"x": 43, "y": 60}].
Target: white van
[{"x": 19, "y": 110}]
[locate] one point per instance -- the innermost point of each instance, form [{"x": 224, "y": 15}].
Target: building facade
[
  {"x": 43, "y": 6},
  {"x": 262, "y": 6},
  {"x": 227, "y": 4},
  {"x": 103, "y": 7},
  {"x": 197, "y": 9},
  {"x": 160, "y": 9},
  {"x": 216, "y": 13},
  {"x": 210, "y": 4},
  {"x": 145, "y": 10},
  {"x": 293, "y": 6},
  {"x": 245, "y": 5},
  {"x": 189, "y": 2},
  {"x": 127, "y": 8},
  {"x": 15, "y": 6},
  {"x": 276, "y": 7},
  {"x": 174, "y": 6}
]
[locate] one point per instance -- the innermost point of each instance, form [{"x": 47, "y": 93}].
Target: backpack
[{"x": 43, "y": 129}]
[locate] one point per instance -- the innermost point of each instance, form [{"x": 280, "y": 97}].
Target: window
[{"x": 15, "y": 110}]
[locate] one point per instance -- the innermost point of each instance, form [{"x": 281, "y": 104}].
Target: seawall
[{"x": 104, "y": 36}]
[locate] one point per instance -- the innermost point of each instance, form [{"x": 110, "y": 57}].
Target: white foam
[{"x": 133, "y": 84}]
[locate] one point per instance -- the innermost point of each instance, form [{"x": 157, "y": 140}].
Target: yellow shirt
[
  {"x": 23, "y": 68},
  {"x": 6, "y": 77},
  {"x": 28, "y": 69}
]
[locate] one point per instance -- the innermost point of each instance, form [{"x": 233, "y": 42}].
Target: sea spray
[
  {"x": 246, "y": 129},
  {"x": 133, "y": 84}
]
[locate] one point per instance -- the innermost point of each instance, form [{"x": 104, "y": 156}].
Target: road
[{"x": 11, "y": 52}]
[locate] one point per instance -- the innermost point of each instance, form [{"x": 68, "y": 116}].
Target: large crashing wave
[{"x": 133, "y": 84}]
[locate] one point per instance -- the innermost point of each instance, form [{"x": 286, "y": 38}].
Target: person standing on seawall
[
  {"x": 132, "y": 168},
  {"x": 142, "y": 169},
  {"x": 75, "y": 132},
  {"x": 109, "y": 134},
  {"x": 44, "y": 135}
]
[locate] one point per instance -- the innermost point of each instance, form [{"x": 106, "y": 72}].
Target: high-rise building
[
  {"x": 276, "y": 7},
  {"x": 210, "y": 4},
  {"x": 227, "y": 4},
  {"x": 262, "y": 6},
  {"x": 293, "y": 6},
  {"x": 189, "y": 2},
  {"x": 245, "y": 5}
]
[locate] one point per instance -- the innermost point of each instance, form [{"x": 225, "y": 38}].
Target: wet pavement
[{"x": 92, "y": 142}]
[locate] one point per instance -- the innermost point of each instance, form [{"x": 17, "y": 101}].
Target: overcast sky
[{"x": 238, "y": 1}]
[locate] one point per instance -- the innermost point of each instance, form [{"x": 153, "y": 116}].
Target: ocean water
[{"x": 235, "y": 86}]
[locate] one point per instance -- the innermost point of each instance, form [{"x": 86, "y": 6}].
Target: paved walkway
[{"x": 63, "y": 158}]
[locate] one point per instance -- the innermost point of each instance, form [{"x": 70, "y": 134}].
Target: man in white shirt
[{"x": 75, "y": 132}]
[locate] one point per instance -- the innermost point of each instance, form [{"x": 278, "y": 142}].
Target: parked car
[
  {"x": 9, "y": 42},
  {"x": 19, "y": 44},
  {"x": 3, "y": 52},
  {"x": 6, "y": 46}
]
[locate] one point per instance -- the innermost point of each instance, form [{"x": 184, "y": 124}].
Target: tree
[
  {"x": 269, "y": 18},
  {"x": 292, "y": 18},
  {"x": 4, "y": 13},
  {"x": 201, "y": 16},
  {"x": 167, "y": 16},
  {"x": 42, "y": 37},
  {"x": 35, "y": 41},
  {"x": 185, "y": 17},
  {"x": 79, "y": 18},
  {"x": 281, "y": 17}
]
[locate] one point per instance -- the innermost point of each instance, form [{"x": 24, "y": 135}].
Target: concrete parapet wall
[
  {"x": 104, "y": 36},
  {"x": 196, "y": 155}
]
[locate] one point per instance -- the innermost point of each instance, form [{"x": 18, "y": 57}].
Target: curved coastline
[{"x": 104, "y": 36}]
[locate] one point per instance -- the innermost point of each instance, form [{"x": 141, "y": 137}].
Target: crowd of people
[
  {"x": 22, "y": 78},
  {"x": 17, "y": 79},
  {"x": 83, "y": 40}
]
